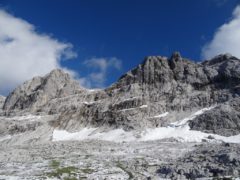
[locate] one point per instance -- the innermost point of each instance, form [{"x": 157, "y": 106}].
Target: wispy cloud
[
  {"x": 25, "y": 53},
  {"x": 220, "y": 3},
  {"x": 226, "y": 39},
  {"x": 99, "y": 68}
]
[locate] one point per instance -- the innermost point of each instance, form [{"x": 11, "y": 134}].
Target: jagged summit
[
  {"x": 2, "y": 100},
  {"x": 176, "y": 56},
  {"x": 39, "y": 90},
  {"x": 159, "y": 85},
  {"x": 221, "y": 58},
  {"x": 170, "y": 100},
  {"x": 58, "y": 73}
]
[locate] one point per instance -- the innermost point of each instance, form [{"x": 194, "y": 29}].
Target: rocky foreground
[
  {"x": 107, "y": 160},
  {"x": 168, "y": 118}
]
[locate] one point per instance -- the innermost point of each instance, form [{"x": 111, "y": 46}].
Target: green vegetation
[
  {"x": 119, "y": 165},
  {"x": 87, "y": 170},
  {"x": 87, "y": 156},
  {"x": 55, "y": 164},
  {"x": 68, "y": 172}
]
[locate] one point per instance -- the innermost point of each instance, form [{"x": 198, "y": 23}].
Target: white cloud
[
  {"x": 226, "y": 39},
  {"x": 25, "y": 53},
  {"x": 220, "y": 3},
  {"x": 100, "y": 68}
]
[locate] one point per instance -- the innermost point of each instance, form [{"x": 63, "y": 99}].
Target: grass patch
[
  {"x": 68, "y": 172},
  {"x": 55, "y": 164},
  {"x": 87, "y": 170},
  {"x": 130, "y": 175},
  {"x": 87, "y": 156}
]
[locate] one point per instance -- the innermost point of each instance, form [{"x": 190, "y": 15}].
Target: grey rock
[
  {"x": 223, "y": 120},
  {"x": 38, "y": 91},
  {"x": 175, "y": 85},
  {"x": 206, "y": 161},
  {"x": 158, "y": 85},
  {"x": 2, "y": 100}
]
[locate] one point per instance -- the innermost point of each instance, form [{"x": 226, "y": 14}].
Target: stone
[
  {"x": 222, "y": 120},
  {"x": 38, "y": 91},
  {"x": 156, "y": 93},
  {"x": 158, "y": 85},
  {"x": 2, "y": 100},
  {"x": 207, "y": 161}
]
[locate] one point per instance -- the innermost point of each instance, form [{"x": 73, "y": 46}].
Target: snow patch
[
  {"x": 88, "y": 103},
  {"x": 179, "y": 130},
  {"x": 230, "y": 139},
  {"x": 117, "y": 135},
  {"x": 191, "y": 117},
  {"x": 29, "y": 117},
  {"x": 183, "y": 134},
  {"x": 4, "y": 177},
  {"x": 93, "y": 90},
  {"x": 62, "y": 135},
  {"x": 3, "y": 138},
  {"x": 144, "y": 106},
  {"x": 161, "y": 115},
  {"x": 129, "y": 99}
]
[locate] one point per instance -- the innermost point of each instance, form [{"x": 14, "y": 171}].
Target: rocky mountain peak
[
  {"x": 39, "y": 90},
  {"x": 57, "y": 73},
  {"x": 175, "y": 61},
  {"x": 220, "y": 59},
  {"x": 2, "y": 100},
  {"x": 158, "y": 85},
  {"x": 176, "y": 56}
]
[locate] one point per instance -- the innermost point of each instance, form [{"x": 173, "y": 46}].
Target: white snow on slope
[
  {"x": 129, "y": 99},
  {"x": 191, "y": 117},
  {"x": 116, "y": 135},
  {"x": 161, "y": 115},
  {"x": 88, "y": 103},
  {"x": 182, "y": 134},
  {"x": 179, "y": 130},
  {"x": 142, "y": 106},
  {"x": 3, "y": 138},
  {"x": 29, "y": 117},
  {"x": 4, "y": 177}
]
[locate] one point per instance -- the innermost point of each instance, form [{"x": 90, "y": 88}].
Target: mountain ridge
[
  {"x": 158, "y": 85},
  {"x": 167, "y": 118}
]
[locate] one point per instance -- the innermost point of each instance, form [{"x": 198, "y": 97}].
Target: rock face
[
  {"x": 175, "y": 85},
  {"x": 2, "y": 100},
  {"x": 223, "y": 120},
  {"x": 217, "y": 161},
  {"x": 158, "y": 85},
  {"x": 173, "y": 92},
  {"x": 38, "y": 91}
]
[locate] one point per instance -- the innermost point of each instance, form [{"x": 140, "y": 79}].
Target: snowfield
[
  {"x": 3, "y": 138},
  {"x": 161, "y": 115},
  {"x": 191, "y": 117},
  {"x": 117, "y": 135},
  {"x": 179, "y": 130},
  {"x": 29, "y": 117},
  {"x": 182, "y": 134},
  {"x": 99, "y": 153}
]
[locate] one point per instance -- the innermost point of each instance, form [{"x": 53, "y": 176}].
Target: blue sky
[{"x": 103, "y": 39}]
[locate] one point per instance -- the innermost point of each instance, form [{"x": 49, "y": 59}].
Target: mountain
[
  {"x": 39, "y": 90},
  {"x": 176, "y": 86},
  {"x": 2, "y": 100},
  {"x": 170, "y": 118}
]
